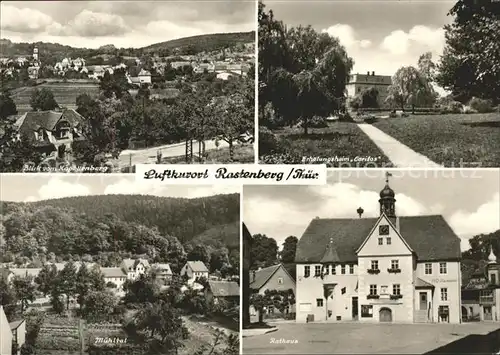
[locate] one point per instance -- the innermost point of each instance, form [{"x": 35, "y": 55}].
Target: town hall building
[{"x": 387, "y": 269}]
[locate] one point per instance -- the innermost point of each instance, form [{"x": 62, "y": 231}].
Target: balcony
[
  {"x": 393, "y": 271},
  {"x": 373, "y": 271}
]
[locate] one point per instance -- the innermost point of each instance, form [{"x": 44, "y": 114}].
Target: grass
[
  {"x": 243, "y": 153},
  {"x": 341, "y": 144},
  {"x": 64, "y": 93},
  {"x": 453, "y": 140}
]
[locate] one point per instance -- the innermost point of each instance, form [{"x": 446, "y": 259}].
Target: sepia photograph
[
  {"x": 373, "y": 262},
  {"x": 100, "y": 86},
  {"x": 379, "y": 83},
  {"x": 106, "y": 265}
]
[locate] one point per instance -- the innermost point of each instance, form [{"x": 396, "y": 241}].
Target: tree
[
  {"x": 369, "y": 98},
  {"x": 199, "y": 253},
  {"x": 99, "y": 305},
  {"x": 470, "y": 64},
  {"x": 43, "y": 100},
  {"x": 7, "y": 106},
  {"x": 66, "y": 282},
  {"x": 410, "y": 87},
  {"x": 289, "y": 249},
  {"x": 24, "y": 289},
  {"x": 426, "y": 66},
  {"x": 142, "y": 290},
  {"x": 45, "y": 278},
  {"x": 264, "y": 251},
  {"x": 8, "y": 298},
  {"x": 87, "y": 281}
]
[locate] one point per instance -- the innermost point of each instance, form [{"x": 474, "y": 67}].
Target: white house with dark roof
[
  {"x": 228, "y": 291},
  {"x": 133, "y": 268},
  {"x": 114, "y": 275},
  {"x": 163, "y": 272},
  {"x": 12, "y": 335},
  {"x": 194, "y": 270},
  {"x": 385, "y": 269},
  {"x": 144, "y": 77}
]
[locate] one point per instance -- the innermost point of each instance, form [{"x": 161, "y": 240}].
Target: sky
[
  {"x": 467, "y": 199},
  {"x": 381, "y": 35},
  {"x": 36, "y": 187},
  {"x": 92, "y": 24}
]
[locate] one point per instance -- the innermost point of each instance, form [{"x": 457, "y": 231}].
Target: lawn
[
  {"x": 452, "y": 140},
  {"x": 357, "y": 338},
  {"x": 64, "y": 93},
  {"x": 341, "y": 144},
  {"x": 243, "y": 154}
]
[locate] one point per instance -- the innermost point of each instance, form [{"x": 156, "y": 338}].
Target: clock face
[{"x": 383, "y": 230}]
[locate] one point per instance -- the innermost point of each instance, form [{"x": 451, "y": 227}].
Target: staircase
[{"x": 420, "y": 316}]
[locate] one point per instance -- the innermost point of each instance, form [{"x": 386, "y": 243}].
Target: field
[
  {"x": 64, "y": 93},
  {"x": 453, "y": 140},
  {"x": 341, "y": 144}
]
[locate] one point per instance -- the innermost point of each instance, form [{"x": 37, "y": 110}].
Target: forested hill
[{"x": 179, "y": 217}]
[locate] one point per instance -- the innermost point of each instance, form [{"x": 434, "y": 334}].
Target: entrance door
[
  {"x": 487, "y": 313},
  {"x": 385, "y": 315},
  {"x": 423, "y": 301},
  {"x": 355, "y": 308}
]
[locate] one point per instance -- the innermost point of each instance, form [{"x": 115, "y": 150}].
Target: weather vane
[{"x": 387, "y": 174}]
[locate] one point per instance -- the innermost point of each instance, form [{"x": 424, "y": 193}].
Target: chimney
[
  {"x": 373, "y": 73},
  {"x": 397, "y": 224},
  {"x": 368, "y": 73},
  {"x": 360, "y": 211}
]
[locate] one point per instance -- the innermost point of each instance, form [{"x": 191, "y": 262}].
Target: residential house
[
  {"x": 144, "y": 77},
  {"x": 176, "y": 65},
  {"x": 202, "y": 67},
  {"x": 33, "y": 72},
  {"x": 471, "y": 295},
  {"x": 385, "y": 269},
  {"x": 274, "y": 277},
  {"x": 226, "y": 291},
  {"x": 224, "y": 75},
  {"x": 50, "y": 130},
  {"x": 22, "y": 272},
  {"x": 133, "y": 268},
  {"x": 360, "y": 82},
  {"x": 12, "y": 335},
  {"x": 194, "y": 270},
  {"x": 115, "y": 275},
  {"x": 489, "y": 292},
  {"x": 163, "y": 272}
]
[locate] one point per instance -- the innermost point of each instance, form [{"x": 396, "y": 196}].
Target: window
[
  {"x": 380, "y": 241},
  {"x": 317, "y": 270},
  {"x": 493, "y": 279},
  {"x": 334, "y": 269},
  {"x": 343, "y": 290},
  {"x": 366, "y": 311},
  {"x": 342, "y": 269},
  {"x": 307, "y": 271},
  {"x": 442, "y": 268},
  {"x": 280, "y": 280},
  {"x": 374, "y": 264},
  {"x": 373, "y": 289},
  {"x": 444, "y": 294},
  {"x": 396, "y": 289},
  {"x": 351, "y": 269},
  {"x": 319, "y": 302},
  {"x": 388, "y": 240},
  {"x": 394, "y": 264},
  {"x": 428, "y": 269},
  {"x": 383, "y": 229},
  {"x": 326, "y": 269}
]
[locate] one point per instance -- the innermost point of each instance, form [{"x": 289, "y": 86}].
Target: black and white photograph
[
  {"x": 379, "y": 83},
  {"x": 106, "y": 265},
  {"x": 100, "y": 86},
  {"x": 373, "y": 262}
]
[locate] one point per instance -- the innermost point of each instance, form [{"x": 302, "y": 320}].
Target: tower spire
[
  {"x": 492, "y": 258},
  {"x": 387, "y": 201}
]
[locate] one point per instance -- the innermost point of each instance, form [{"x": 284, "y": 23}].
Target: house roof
[
  {"x": 34, "y": 120},
  {"x": 143, "y": 73},
  {"x": 23, "y": 272},
  {"x": 14, "y": 325},
  {"x": 163, "y": 268},
  {"x": 423, "y": 284},
  {"x": 331, "y": 255},
  {"x": 260, "y": 277},
  {"x": 224, "y": 288},
  {"x": 197, "y": 266},
  {"x": 109, "y": 272},
  {"x": 429, "y": 236}
]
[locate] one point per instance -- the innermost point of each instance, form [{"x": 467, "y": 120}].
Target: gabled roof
[
  {"x": 419, "y": 283},
  {"x": 197, "y": 266},
  {"x": 115, "y": 272},
  {"x": 224, "y": 288},
  {"x": 144, "y": 72},
  {"x": 430, "y": 237},
  {"x": 163, "y": 268},
  {"x": 263, "y": 275},
  {"x": 14, "y": 325},
  {"x": 34, "y": 120}
]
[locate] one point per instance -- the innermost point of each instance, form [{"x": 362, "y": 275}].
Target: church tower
[
  {"x": 387, "y": 200},
  {"x": 35, "y": 54}
]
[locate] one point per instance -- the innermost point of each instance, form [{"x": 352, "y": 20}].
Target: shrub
[
  {"x": 345, "y": 117},
  {"x": 316, "y": 122},
  {"x": 454, "y": 107},
  {"x": 468, "y": 109},
  {"x": 268, "y": 142},
  {"x": 480, "y": 105}
]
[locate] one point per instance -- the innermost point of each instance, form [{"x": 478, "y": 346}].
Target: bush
[
  {"x": 345, "y": 117},
  {"x": 316, "y": 122},
  {"x": 268, "y": 142},
  {"x": 480, "y": 105},
  {"x": 454, "y": 107},
  {"x": 468, "y": 109}
]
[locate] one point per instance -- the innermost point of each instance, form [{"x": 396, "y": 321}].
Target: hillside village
[
  {"x": 113, "y": 290},
  {"x": 143, "y": 103}
]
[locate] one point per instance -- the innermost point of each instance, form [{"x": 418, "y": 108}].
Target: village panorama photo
[
  {"x": 373, "y": 262},
  {"x": 379, "y": 83},
  {"x": 106, "y": 265},
  {"x": 100, "y": 86}
]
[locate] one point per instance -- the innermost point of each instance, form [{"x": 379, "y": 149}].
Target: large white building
[
  {"x": 360, "y": 82},
  {"x": 385, "y": 269}
]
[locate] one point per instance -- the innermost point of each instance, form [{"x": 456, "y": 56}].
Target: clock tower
[{"x": 387, "y": 200}]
